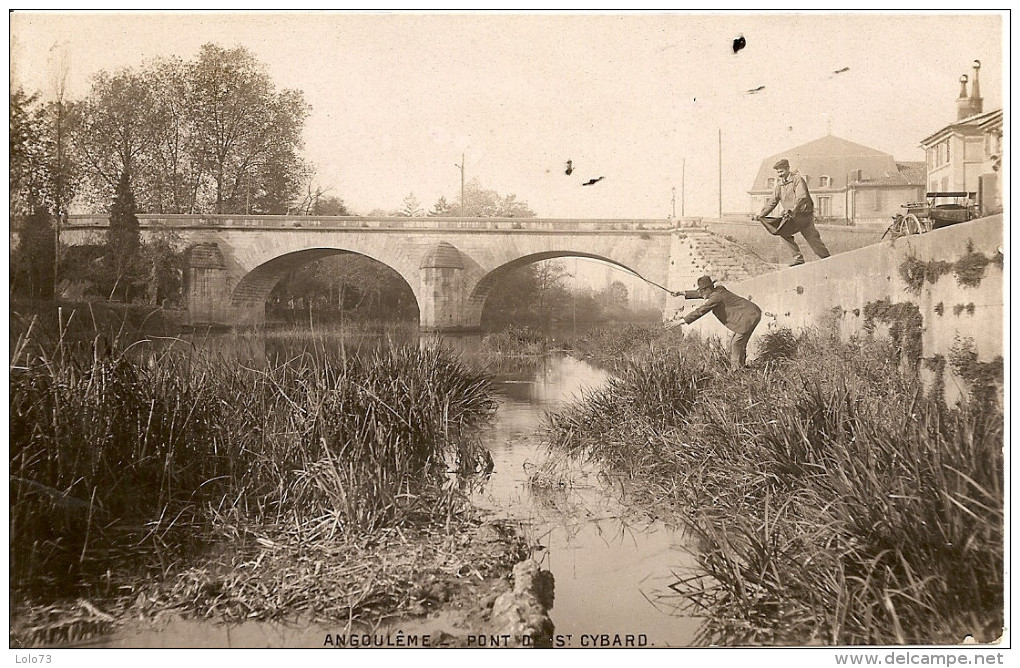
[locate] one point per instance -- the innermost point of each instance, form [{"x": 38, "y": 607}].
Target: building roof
[
  {"x": 972, "y": 125},
  {"x": 906, "y": 174},
  {"x": 833, "y": 157},
  {"x": 915, "y": 173},
  {"x": 994, "y": 120}
]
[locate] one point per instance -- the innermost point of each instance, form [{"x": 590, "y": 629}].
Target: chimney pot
[{"x": 975, "y": 91}]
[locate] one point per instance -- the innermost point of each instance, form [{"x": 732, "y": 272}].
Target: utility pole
[
  {"x": 674, "y": 203},
  {"x": 683, "y": 184},
  {"x": 720, "y": 173},
  {"x": 461, "y": 165}
]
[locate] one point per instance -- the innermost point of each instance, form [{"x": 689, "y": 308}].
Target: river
[{"x": 612, "y": 567}]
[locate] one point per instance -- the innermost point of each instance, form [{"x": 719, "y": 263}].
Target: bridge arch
[
  {"x": 249, "y": 295},
  {"x": 475, "y": 303}
]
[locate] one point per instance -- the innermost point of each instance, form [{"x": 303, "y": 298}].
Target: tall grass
[
  {"x": 134, "y": 455},
  {"x": 833, "y": 502},
  {"x": 607, "y": 347},
  {"x": 516, "y": 341}
]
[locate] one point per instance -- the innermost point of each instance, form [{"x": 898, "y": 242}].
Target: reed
[
  {"x": 515, "y": 342},
  {"x": 833, "y": 502},
  {"x": 607, "y": 347},
  {"x": 135, "y": 458}
]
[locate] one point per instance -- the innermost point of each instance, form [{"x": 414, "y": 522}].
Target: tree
[
  {"x": 123, "y": 239},
  {"x": 510, "y": 207},
  {"x": 114, "y": 130},
  {"x": 206, "y": 136},
  {"x": 164, "y": 268},
  {"x": 244, "y": 128},
  {"x": 412, "y": 208},
  {"x": 40, "y": 185},
  {"x": 344, "y": 285},
  {"x": 614, "y": 296},
  {"x": 535, "y": 294},
  {"x": 442, "y": 208},
  {"x": 330, "y": 206},
  {"x": 173, "y": 163},
  {"x": 32, "y": 265},
  {"x": 482, "y": 203},
  {"x": 27, "y": 161}
]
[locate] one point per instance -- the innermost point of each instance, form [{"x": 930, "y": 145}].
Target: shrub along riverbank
[
  {"x": 833, "y": 501},
  {"x": 146, "y": 479}
]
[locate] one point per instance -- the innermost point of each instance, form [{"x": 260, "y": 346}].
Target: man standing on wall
[
  {"x": 798, "y": 212},
  {"x": 739, "y": 315}
]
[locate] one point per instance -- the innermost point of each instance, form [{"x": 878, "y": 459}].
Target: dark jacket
[{"x": 738, "y": 314}]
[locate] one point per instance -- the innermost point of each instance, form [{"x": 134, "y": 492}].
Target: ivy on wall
[
  {"x": 905, "y": 324},
  {"x": 985, "y": 379},
  {"x": 969, "y": 269}
]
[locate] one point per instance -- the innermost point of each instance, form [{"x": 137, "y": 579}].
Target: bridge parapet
[{"x": 186, "y": 221}]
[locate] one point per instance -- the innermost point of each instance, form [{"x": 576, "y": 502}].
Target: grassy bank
[
  {"x": 150, "y": 479},
  {"x": 833, "y": 502}
]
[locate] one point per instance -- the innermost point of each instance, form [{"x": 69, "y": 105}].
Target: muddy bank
[{"x": 436, "y": 579}]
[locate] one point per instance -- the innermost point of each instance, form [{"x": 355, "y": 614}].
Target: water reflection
[{"x": 612, "y": 568}]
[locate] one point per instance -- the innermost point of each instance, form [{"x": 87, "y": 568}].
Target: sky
[{"x": 640, "y": 99}]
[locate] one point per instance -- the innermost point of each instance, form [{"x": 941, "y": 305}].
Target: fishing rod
[
  {"x": 646, "y": 280},
  {"x": 774, "y": 226}
]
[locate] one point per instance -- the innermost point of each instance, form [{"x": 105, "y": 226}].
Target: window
[
  {"x": 824, "y": 181},
  {"x": 943, "y": 153},
  {"x": 938, "y": 155},
  {"x": 824, "y": 206}
]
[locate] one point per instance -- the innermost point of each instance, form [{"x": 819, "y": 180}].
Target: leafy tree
[
  {"x": 315, "y": 201},
  {"x": 25, "y": 158},
  {"x": 480, "y": 202},
  {"x": 534, "y": 295},
  {"x": 348, "y": 285},
  {"x": 206, "y": 136},
  {"x": 113, "y": 130},
  {"x": 173, "y": 163},
  {"x": 614, "y": 296},
  {"x": 511, "y": 207},
  {"x": 330, "y": 206},
  {"x": 243, "y": 127}
]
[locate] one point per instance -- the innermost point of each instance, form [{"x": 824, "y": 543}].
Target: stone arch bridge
[{"x": 450, "y": 264}]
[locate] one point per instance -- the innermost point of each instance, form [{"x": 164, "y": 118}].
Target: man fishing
[{"x": 739, "y": 315}]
